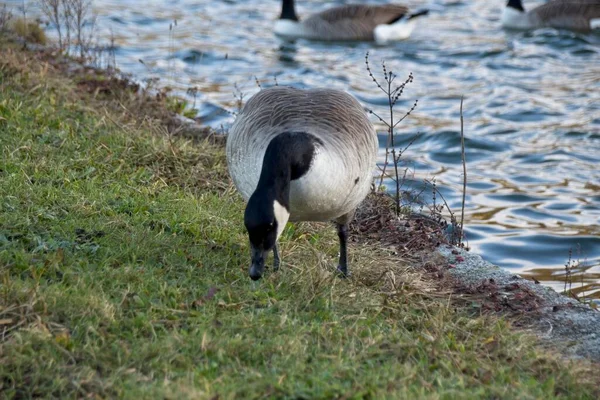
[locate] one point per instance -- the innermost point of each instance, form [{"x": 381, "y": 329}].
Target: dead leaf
[{"x": 489, "y": 340}]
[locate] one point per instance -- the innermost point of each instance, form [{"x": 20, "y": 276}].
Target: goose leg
[
  {"x": 342, "y": 231},
  {"x": 276, "y": 258}
]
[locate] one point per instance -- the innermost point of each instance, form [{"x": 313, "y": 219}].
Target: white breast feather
[
  {"x": 595, "y": 23},
  {"x": 328, "y": 190},
  {"x": 288, "y": 29},
  {"x": 515, "y": 19}
]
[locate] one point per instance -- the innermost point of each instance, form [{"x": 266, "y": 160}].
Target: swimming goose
[
  {"x": 300, "y": 155},
  {"x": 382, "y": 23},
  {"x": 578, "y": 15}
]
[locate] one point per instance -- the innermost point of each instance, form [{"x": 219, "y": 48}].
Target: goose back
[
  {"x": 341, "y": 170},
  {"x": 352, "y": 22},
  {"x": 569, "y": 14}
]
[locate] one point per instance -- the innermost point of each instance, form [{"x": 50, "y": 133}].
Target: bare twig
[
  {"x": 393, "y": 93},
  {"x": 568, "y": 267},
  {"x": 5, "y": 17},
  {"x": 171, "y": 63},
  {"x": 457, "y": 232},
  {"x": 432, "y": 182},
  {"x": 82, "y": 23},
  {"x": 73, "y": 23},
  {"x": 111, "y": 51},
  {"x": 238, "y": 95},
  {"x": 464, "y": 164},
  {"x": 407, "y": 113},
  {"x": 257, "y": 82},
  {"x": 68, "y": 23},
  {"x": 53, "y": 10},
  {"x": 193, "y": 91}
]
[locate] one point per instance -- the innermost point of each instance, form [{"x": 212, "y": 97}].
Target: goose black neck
[
  {"x": 288, "y": 157},
  {"x": 288, "y": 11},
  {"x": 516, "y": 4}
]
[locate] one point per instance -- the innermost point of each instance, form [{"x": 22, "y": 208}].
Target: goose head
[
  {"x": 288, "y": 157},
  {"x": 515, "y": 5},
  {"x": 264, "y": 225}
]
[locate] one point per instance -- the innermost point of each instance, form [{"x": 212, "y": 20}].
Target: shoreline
[{"x": 560, "y": 322}]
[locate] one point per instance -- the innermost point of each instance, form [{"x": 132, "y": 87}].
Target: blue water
[{"x": 531, "y": 108}]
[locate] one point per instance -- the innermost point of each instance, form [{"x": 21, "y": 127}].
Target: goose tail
[
  {"x": 399, "y": 30},
  {"x": 417, "y": 14}
]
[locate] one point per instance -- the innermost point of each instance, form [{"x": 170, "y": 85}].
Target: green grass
[{"x": 123, "y": 273}]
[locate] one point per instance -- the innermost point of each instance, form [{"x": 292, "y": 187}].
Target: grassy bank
[{"x": 123, "y": 271}]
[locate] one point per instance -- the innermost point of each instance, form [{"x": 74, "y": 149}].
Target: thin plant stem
[{"x": 464, "y": 164}]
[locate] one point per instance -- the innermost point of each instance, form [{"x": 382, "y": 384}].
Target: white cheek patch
[
  {"x": 595, "y": 23},
  {"x": 281, "y": 216}
]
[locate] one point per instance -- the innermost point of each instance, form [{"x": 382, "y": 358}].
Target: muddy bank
[{"x": 560, "y": 322}]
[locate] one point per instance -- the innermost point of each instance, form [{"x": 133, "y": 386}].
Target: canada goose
[
  {"x": 383, "y": 23},
  {"x": 300, "y": 155},
  {"x": 578, "y": 15}
]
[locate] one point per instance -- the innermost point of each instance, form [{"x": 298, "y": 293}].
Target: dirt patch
[
  {"x": 376, "y": 222},
  {"x": 514, "y": 298},
  {"x": 106, "y": 87}
]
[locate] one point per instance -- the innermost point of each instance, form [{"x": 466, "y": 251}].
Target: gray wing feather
[{"x": 352, "y": 22}]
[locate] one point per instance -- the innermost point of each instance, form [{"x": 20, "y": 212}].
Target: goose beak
[{"x": 258, "y": 263}]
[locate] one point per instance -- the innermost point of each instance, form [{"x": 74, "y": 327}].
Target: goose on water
[
  {"x": 300, "y": 155},
  {"x": 381, "y": 23},
  {"x": 578, "y": 15}
]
